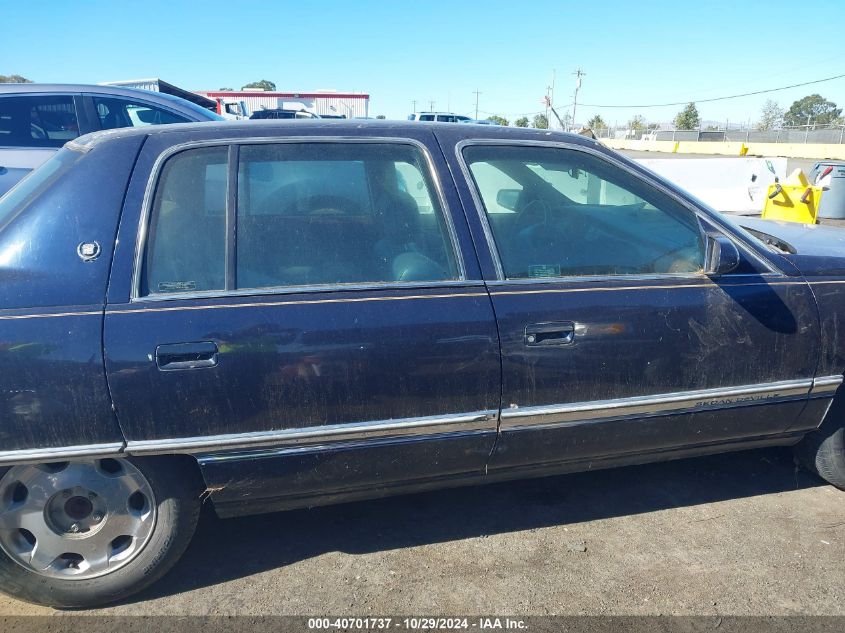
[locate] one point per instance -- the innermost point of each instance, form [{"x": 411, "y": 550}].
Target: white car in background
[
  {"x": 37, "y": 119},
  {"x": 440, "y": 117}
]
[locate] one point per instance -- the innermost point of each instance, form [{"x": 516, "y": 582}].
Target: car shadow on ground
[{"x": 228, "y": 549}]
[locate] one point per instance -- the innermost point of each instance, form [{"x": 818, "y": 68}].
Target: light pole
[{"x": 578, "y": 74}]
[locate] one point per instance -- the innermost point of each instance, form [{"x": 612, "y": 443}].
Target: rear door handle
[
  {"x": 176, "y": 356},
  {"x": 547, "y": 334}
]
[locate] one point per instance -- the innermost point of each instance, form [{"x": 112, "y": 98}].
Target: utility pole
[
  {"x": 476, "y": 93},
  {"x": 413, "y": 105},
  {"x": 431, "y": 105},
  {"x": 578, "y": 74}
]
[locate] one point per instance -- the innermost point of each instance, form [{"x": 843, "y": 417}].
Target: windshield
[{"x": 28, "y": 189}]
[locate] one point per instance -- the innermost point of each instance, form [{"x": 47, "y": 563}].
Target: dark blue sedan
[{"x": 275, "y": 315}]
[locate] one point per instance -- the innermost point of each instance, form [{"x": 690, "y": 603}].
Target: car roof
[
  {"x": 114, "y": 91},
  {"x": 263, "y": 128}
]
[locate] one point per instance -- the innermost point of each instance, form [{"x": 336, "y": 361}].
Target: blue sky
[{"x": 633, "y": 52}]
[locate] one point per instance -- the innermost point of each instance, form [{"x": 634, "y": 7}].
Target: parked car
[
  {"x": 283, "y": 113},
  {"x": 296, "y": 314},
  {"x": 440, "y": 117},
  {"x": 37, "y": 119}
]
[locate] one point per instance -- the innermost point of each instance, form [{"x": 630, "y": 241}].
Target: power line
[{"x": 745, "y": 94}]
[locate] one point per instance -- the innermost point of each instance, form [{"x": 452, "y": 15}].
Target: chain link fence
[{"x": 799, "y": 134}]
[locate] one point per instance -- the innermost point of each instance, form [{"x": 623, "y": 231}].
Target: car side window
[
  {"x": 307, "y": 214},
  {"x": 115, "y": 113},
  {"x": 334, "y": 213},
  {"x": 37, "y": 121},
  {"x": 186, "y": 240},
  {"x": 557, "y": 212}
]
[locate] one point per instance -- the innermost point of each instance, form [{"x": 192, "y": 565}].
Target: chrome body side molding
[
  {"x": 234, "y": 446},
  {"x": 660, "y": 404},
  {"x": 825, "y": 386},
  {"x": 251, "y": 453},
  {"x": 333, "y": 434},
  {"x": 60, "y": 453}
]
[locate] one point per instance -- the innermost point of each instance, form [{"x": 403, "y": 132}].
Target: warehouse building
[
  {"x": 159, "y": 85},
  {"x": 349, "y": 105}
]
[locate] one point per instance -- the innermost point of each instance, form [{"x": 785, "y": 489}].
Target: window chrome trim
[
  {"x": 649, "y": 178},
  {"x": 646, "y": 277},
  {"x": 60, "y": 453},
  {"x": 155, "y": 174},
  {"x": 643, "y": 406},
  {"x": 334, "y": 433},
  {"x": 292, "y": 290}
]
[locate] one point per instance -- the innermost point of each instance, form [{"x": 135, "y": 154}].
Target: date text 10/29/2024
[{"x": 417, "y": 624}]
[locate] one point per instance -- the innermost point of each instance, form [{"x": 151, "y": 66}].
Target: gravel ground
[{"x": 742, "y": 533}]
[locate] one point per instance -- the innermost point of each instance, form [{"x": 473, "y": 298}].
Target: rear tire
[
  {"x": 823, "y": 451},
  {"x": 160, "y": 532}
]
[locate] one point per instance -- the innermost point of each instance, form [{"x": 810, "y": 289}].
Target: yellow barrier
[{"x": 794, "y": 200}]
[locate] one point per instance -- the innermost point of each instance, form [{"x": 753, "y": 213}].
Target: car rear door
[
  {"x": 306, "y": 315},
  {"x": 613, "y": 340}
]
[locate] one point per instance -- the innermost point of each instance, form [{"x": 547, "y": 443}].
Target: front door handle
[
  {"x": 547, "y": 334},
  {"x": 176, "y": 356}
]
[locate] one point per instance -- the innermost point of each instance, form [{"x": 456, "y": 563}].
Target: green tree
[
  {"x": 596, "y": 123},
  {"x": 813, "y": 108},
  {"x": 637, "y": 123},
  {"x": 227, "y": 89},
  {"x": 381, "y": 116},
  {"x": 264, "y": 84},
  {"x": 521, "y": 122},
  {"x": 541, "y": 122},
  {"x": 14, "y": 79},
  {"x": 498, "y": 120},
  {"x": 771, "y": 116},
  {"x": 688, "y": 118}
]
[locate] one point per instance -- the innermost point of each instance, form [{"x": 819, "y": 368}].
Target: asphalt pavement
[{"x": 742, "y": 533}]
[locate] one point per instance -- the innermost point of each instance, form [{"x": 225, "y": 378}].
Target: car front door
[
  {"x": 614, "y": 340},
  {"x": 305, "y": 316}
]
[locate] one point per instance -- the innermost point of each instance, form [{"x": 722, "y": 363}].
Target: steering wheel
[
  {"x": 534, "y": 213},
  {"x": 37, "y": 132},
  {"x": 681, "y": 260}
]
